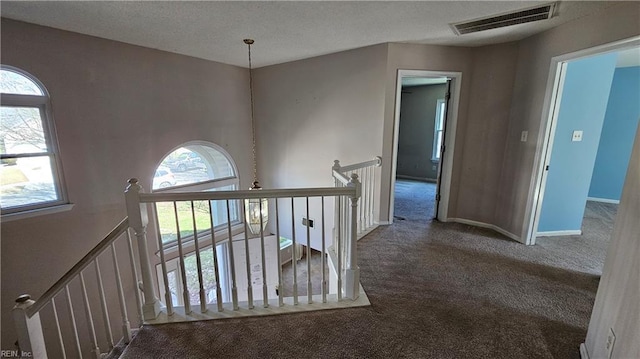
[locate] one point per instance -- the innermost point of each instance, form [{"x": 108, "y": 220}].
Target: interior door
[{"x": 447, "y": 101}]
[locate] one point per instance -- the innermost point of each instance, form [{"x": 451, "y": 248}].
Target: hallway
[
  {"x": 414, "y": 200},
  {"x": 437, "y": 290}
]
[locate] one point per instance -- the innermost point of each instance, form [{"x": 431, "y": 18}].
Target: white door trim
[
  {"x": 449, "y": 140},
  {"x": 547, "y": 127},
  {"x": 547, "y": 145}
]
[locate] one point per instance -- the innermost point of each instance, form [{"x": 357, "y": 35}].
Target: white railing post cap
[
  {"x": 133, "y": 183},
  {"x": 23, "y": 298}
]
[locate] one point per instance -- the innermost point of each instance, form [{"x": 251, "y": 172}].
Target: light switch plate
[
  {"x": 577, "y": 136},
  {"x": 523, "y": 136}
]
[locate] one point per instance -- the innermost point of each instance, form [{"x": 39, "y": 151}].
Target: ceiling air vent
[{"x": 513, "y": 18}]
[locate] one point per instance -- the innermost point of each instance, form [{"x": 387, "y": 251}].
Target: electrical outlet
[
  {"x": 307, "y": 222},
  {"x": 611, "y": 340},
  {"x": 523, "y": 136},
  {"x": 577, "y": 136}
]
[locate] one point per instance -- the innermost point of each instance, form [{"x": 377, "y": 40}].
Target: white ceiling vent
[{"x": 537, "y": 13}]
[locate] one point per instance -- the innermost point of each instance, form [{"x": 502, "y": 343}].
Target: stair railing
[
  {"x": 204, "y": 233},
  {"x": 69, "y": 338},
  {"x": 27, "y": 312},
  {"x": 366, "y": 172},
  {"x": 353, "y": 221}
]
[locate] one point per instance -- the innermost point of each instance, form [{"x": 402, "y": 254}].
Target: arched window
[
  {"x": 30, "y": 169},
  {"x": 195, "y": 166}
]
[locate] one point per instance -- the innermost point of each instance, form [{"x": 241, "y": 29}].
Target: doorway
[
  {"x": 577, "y": 135},
  {"x": 424, "y": 142}
]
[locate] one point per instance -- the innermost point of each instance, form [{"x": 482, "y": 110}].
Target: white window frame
[
  {"x": 438, "y": 128},
  {"x": 173, "y": 265},
  {"x": 221, "y": 229},
  {"x": 43, "y": 104}
]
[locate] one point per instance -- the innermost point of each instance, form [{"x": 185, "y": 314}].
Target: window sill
[{"x": 8, "y": 217}]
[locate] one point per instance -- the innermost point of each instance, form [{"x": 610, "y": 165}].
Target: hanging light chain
[{"x": 249, "y": 42}]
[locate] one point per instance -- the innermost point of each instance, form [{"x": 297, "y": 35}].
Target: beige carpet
[
  {"x": 301, "y": 275},
  {"x": 437, "y": 290}
]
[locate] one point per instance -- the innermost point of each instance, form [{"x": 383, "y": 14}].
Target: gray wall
[
  {"x": 485, "y": 96},
  {"x": 415, "y": 138},
  {"x": 481, "y": 144},
  {"x": 419, "y": 57},
  {"x": 314, "y": 111},
  {"x": 118, "y": 109},
  {"x": 616, "y": 305}
]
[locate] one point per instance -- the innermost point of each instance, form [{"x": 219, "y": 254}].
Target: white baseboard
[
  {"x": 584, "y": 354},
  {"x": 603, "y": 200},
  {"x": 559, "y": 233},
  {"x": 486, "y": 225},
  {"x": 383, "y": 223},
  {"x": 422, "y": 179}
]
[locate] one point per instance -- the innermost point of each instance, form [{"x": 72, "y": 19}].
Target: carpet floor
[{"x": 437, "y": 290}]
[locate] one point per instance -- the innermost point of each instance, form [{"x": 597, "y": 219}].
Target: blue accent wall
[
  {"x": 616, "y": 140},
  {"x": 582, "y": 107}
]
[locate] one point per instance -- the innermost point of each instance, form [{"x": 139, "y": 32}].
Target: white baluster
[
  {"x": 265, "y": 295},
  {"x": 346, "y": 229},
  {"x": 247, "y": 259},
  {"x": 163, "y": 265},
  {"x": 215, "y": 261},
  {"x": 338, "y": 245},
  {"x": 57, "y": 321},
  {"x": 279, "y": 289},
  {"x": 138, "y": 220},
  {"x": 92, "y": 330},
  {"x": 203, "y": 297},
  {"x": 183, "y": 271},
  {"x": 294, "y": 254},
  {"x": 234, "y": 289},
  {"x": 126, "y": 326},
  {"x": 324, "y": 257},
  {"x": 352, "y": 274},
  {"x": 103, "y": 304},
  {"x": 309, "y": 291},
  {"x": 29, "y": 329},
  {"x": 372, "y": 175},
  {"x": 74, "y": 325},
  {"x": 134, "y": 270},
  {"x": 360, "y": 211},
  {"x": 364, "y": 206}
]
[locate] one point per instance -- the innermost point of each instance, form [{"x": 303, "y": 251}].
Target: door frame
[
  {"x": 444, "y": 175},
  {"x": 550, "y": 109}
]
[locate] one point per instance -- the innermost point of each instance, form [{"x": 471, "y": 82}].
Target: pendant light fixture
[{"x": 256, "y": 209}]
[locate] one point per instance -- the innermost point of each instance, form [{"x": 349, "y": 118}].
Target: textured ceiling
[{"x": 284, "y": 31}]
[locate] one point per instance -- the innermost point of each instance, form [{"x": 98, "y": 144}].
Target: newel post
[
  {"x": 352, "y": 273},
  {"x": 29, "y": 329},
  {"x": 138, "y": 220},
  {"x": 336, "y": 165}
]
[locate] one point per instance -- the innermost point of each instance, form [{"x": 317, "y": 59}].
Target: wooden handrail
[
  {"x": 76, "y": 269},
  {"x": 246, "y": 194},
  {"x": 341, "y": 177},
  {"x": 377, "y": 161}
]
